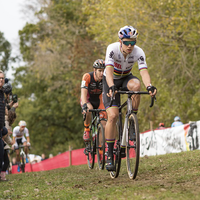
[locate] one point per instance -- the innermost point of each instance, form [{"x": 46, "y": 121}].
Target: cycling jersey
[
  {"x": 122, "y": 66},
  {"x": 94, "y": 95},
  {"x": 19, "y": 134},
  {"x": 94, "y": 89}
]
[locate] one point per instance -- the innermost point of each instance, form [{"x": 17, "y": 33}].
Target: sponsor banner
[{"x": 170, "y": 140}]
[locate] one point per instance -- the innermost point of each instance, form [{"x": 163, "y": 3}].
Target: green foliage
[
  {"x": 169, "y": 35},
  {"x": 58, "y": 52},
  {"x": 70, "y": 35},
  {"x": 5, "y": 52}
]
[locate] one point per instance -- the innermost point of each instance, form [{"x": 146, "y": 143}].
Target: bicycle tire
[
  {"x": 91, "y": 150},
  {"x": 117, "y": 160},
  {"x": 100, "y": 146},
  {"x": 133, "y": 147},
  {"x": 23, "y": 164}
]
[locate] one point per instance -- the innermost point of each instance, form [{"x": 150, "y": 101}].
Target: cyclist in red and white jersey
[
  {"x": 91, "y": 95},
  {"x": 120, "y": 58},
  {"x": 19, "y": 138}
]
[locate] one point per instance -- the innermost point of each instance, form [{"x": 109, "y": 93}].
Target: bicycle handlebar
[
  {"x": 96, "y": 110},
  {"x": 22, "y": 146},
  {"x": 132, "y": 92},
  {"x": 93, "y": 110}
]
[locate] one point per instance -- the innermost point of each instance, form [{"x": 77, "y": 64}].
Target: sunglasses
[{"x": 129, "y": 42}]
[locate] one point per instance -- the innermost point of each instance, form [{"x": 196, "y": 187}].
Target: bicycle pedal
[
  {"x": 110, "y": 168},
  {"x": 85, "y": 152}
]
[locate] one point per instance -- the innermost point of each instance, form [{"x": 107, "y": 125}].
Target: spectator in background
[
  {"x": 14, "y": 161},
  {"x": 3, "y": 130},
  {"x": 161, "y": 126},
  {"x": 43, "y": 157},
  {"x": 50, "y": 155},
  {"x": 177, "y": 122},
  {"x": 10, "y": 116}
]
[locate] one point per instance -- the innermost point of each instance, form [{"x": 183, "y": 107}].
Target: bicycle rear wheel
[
  {"x": 117, "y": 161},
  {"x": 133, "y": 147},
  {"x": 100, "y": 146},
  {"x": 23, "y": 164}
]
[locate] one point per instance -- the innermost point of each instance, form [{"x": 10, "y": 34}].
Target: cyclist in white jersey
[
  {"x": 19, "y": 138},
  {"x": 120, "y": 58}
]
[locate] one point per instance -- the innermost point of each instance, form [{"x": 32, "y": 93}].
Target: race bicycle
[
  {"x": 22, "y": 157},
  {"x": 96, "y": 144},
  {"x": 129, "y": 136}
]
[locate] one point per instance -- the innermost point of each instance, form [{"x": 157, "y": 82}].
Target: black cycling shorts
[{"x": 120, "y": 84}]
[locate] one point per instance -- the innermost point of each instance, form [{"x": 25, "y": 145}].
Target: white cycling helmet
[
  {"x": 22, "y": 123},
  {"x": 127, "y": 32},
  {"x": 177, "y": 118}
]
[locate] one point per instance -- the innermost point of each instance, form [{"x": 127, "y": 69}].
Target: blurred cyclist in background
[{"x": 19, "y": 138}]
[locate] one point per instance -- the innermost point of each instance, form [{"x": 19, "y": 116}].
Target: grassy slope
[{"x": 171, "y": 176}]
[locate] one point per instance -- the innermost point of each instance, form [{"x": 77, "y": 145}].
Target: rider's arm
[
  {"x": 13, "y": 140},
  {"x": 84, "y": 92},
  {"x": 28, "y": 139},
  {"x": 109, "y": 75},
  {"x": 147, "y": 81},
  {"x": 145, "y": 77},
  {"x": 84, "y": 87}
]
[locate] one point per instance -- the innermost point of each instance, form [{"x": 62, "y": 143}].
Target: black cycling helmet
[
  {"x": 7, "y": 88},
  {"x": 99, "y": 64}
]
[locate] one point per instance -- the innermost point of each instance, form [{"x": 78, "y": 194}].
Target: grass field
[{"x": 171, "y": 176}]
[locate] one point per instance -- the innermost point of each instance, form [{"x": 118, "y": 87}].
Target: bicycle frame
[
  {"x": 95, "y": 116},
  {"x": 22, "y": 156},
  {"x": 128, "y": 102}
]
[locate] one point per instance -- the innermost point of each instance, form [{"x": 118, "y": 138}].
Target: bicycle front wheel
[
  {"x": 117, "y": 161},
  {"x": 133, "y": 147},
  {"x": 90, "y": 154},
  {"x": 91, "y": 149},
  {"x": 100, "y": 146},
  {"x": 23, "y": 164}
]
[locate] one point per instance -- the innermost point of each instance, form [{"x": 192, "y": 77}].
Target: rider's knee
[
  {"x": 113, "y": 116},
  {"x": 134, "y": 85}
]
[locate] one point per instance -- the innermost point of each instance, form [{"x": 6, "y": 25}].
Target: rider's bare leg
[
  {"x": 17, "y": 155},
  {"x": 110, "y": 129},
  {"x": 134, "y": 85},
  {"x": 25, "y": 148},
  {"x": 88, "y": 117}
]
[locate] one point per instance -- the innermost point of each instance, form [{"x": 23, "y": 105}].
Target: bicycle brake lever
[{"x": 152, "y": 101}]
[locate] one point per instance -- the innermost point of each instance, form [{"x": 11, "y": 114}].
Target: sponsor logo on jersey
[
  {"x": 83, "y": 83},
  {"x": 141, "y": 58},
  {"x": 111, "y": 54},
  {"x": 117, "y": 65}
]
